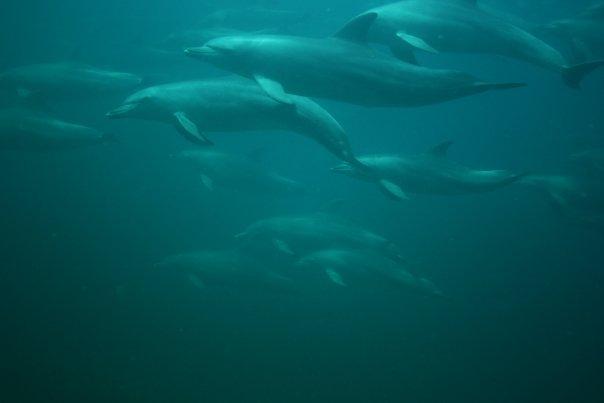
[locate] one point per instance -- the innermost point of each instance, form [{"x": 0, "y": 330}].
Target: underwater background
[{"x": 86, "y": 317}]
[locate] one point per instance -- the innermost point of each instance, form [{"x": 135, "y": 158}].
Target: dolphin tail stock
[{"x": 574, "y": 75}]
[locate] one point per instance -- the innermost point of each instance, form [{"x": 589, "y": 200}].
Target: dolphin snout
[
  {"x": 199, "y": 51},
  {"x": 343, "y": 168},
  {"x": 121, "y": 111}
]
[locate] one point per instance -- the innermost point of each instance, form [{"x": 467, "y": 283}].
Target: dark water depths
[{"x": 86, "y": 318}]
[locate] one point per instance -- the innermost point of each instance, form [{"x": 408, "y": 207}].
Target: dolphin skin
[
  {"x": 228, "y": 105},
  {"x": 298, "y": 235},
  {"x": 22, "y": 129},
  {"x": 357, "y": 267},
  {"x": 239, "y": 173},
  {"x": 461, "y": 26},
  {"x": 66, "y": 81},
  {"x": 342, "y": 68},
  {"x": 584, "y": 33},
  {"x": 428, "y": 173}
]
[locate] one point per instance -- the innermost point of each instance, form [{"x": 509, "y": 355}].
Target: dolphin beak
[
  {"x": 344, "y": 168},
  {"x": 121, "y": 111},
  {"x": 199, "y": 52}
]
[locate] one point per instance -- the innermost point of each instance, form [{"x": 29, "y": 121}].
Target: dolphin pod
[
  {"x": 227, "y": 105},
  {"x": 461, "y": 26},
  {"x": 428, "y": 173},
  {"x": 341, "y": 68}
]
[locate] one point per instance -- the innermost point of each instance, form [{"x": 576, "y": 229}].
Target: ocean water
[{"x": 87, "y": 314}]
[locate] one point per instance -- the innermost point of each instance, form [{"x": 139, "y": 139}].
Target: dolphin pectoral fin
[
  {"x": 189, "y": 129},
  {"x": 335, "y": 277},
  {"x": 196, "y": 281},
  {"x": 273, "y": 89},
  {"x": 356, "y": 29},
  {"x": 392, "y": 190},
  {"x": 415, "y": 42},
  {"x": 207, "y": 182},
  {"x": 573, "y": 75},
  {"x": 282, "y": 246}
]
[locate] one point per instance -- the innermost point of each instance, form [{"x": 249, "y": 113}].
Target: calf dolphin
[
  {"x": 428, "y": 173},
  {"x": 342, "y": 68},
  {"x": 225, "y": 269},
  {"x": 350, "y": 267},
  {"x": 60, "y": 81},
  {"x": 228, "y": 105},
  {"x": 22, "y": 129},
  {"x": 461, "y": 26},
  {"x": 584, "y": 33},
  {"x": 298, "y": 235},
  {"x": 239, "y": 173}
]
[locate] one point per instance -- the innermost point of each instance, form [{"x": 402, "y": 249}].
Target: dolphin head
[
  {"x": 226, "y": 51},
  {"x": 137, "y": 105}
]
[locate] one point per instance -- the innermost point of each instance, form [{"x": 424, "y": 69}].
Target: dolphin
[
  {"x": 342, "y": 68},
  {"x": 578, "y": 199},
  {"x": 228, "y": 105},
  {"x": 240, "y": 173},
  {"x": 22, "y": 129},
  {"x": 428, "y": 173},
  {"x": 461, "y": 26},
  {"x": 225, "y": 269},
  {"x": 297, "y": 235},
  {"x": 350, "y": 267},
  {"x": 66, "y": 81},
  {"x": 584, "y": 33}
]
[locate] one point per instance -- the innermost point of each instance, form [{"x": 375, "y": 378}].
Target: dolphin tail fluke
[{"x": 573, "y": 75}]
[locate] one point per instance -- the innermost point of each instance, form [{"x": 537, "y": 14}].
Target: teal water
[{"x": 88, "y": 315}]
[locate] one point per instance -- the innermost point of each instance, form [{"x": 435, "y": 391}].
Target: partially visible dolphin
[
  {"x": 238, "y": 173},
  {"x": 584, "y": 33},
  {"x": 226, "y": 269},
  {"x": 461, "y": 26},
  {"x": 342, "y": 68},
  {"x": 356, "y": 267},
  {"x": 428, "y": 173},
  {"x": 66, "y": 81},
  {"x": 228, "y": 105},
  {"x": 298, "y": 235},
  {"x": 22, "y": 129}
]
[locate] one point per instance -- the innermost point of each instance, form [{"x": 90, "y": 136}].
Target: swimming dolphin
[
  {"x": 298, "y": 235},
  {"x": 578, "y": 199},
  {"x": 342, "y": 68},
  {"x": 22, "y": 129},
  {"x": 228, "y": 105},
  {"x": 225, "y": 269},
  {"x": 355, "y": 267},
  {"x": 461, "y": 26},
  {"x": 428, "y": 173},
  {"x": 66, "y": 81},
  {"x": 584, "y": 33},
  {"x": 239, "y": 173}
]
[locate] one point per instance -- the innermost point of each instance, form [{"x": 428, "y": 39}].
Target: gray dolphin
[
  {"x": 341, "y": 68},
  {"x": 60, "y": 81},
  {"x": 356, "y": 267},
  {"x": 584, "y": 33},
  {"x": 461, "y": 26},
  {"x": 228, "y": 105},
  {"x": 298, "y": 235},
  {"x": 225, "y": 269},
  {"x": 239, "y": 173},
  {"x": 428, "y": 173},
  {"x": 22, "y": 129}
]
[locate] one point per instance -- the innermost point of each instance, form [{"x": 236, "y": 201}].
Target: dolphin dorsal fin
[
  {"x": 356, "y": 29},
  {"x": 440, "y": 150}
]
